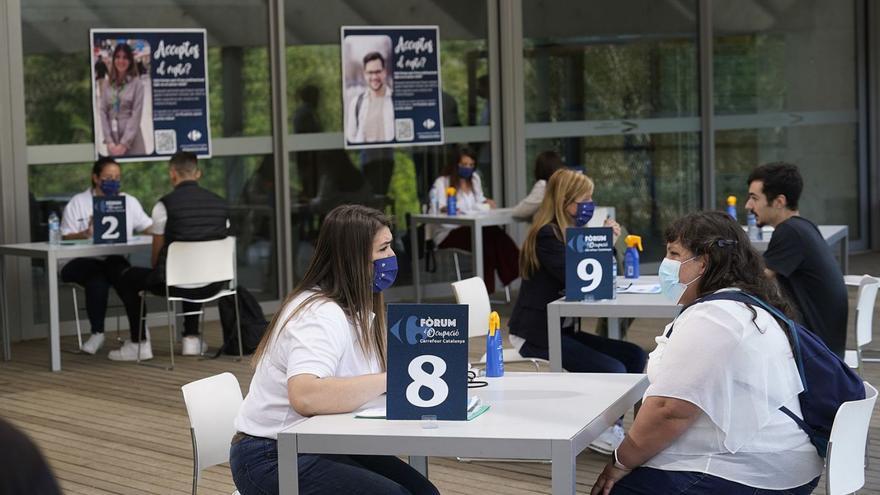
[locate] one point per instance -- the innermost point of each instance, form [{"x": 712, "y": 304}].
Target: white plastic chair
[
  {"x": 864, "y": 320},
  {"x": 845, "y": 463},
  {"x": 197, "y": 264},
  {"x": 472, "y": 291},
  {"x": 211, "y": 404}
]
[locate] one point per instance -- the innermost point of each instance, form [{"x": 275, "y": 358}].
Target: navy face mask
[
  {"x": 584, "y": 213},
  {"x": 384, "y": 273},
  {"x": 465, "y": 172},
  {"x": 110, "y": 187}
]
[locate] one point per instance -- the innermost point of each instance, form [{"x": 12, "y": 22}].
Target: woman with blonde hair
[
  {"x": 325, "y": 353},
  {"x": 122, "y": 104}
]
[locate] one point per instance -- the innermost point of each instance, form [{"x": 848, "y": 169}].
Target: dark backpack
[
  {"x": 253, "y": 323},
  {"x": 828, "y": 381}
]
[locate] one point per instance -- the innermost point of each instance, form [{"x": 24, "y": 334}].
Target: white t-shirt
[
  {"x": 526, "y": 208},
  {"x": 465, "y": 202},
  {"x": 738, "y": 372},
  {"x": 80, "y": 210},
  {"x": 319, "y": 341}
]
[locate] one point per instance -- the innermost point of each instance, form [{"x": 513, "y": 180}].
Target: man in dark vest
[{"x": 188, "y": 213}]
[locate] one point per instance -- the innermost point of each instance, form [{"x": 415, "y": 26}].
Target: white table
[
  {"x": 625, "y": 306},
  {"x": 476, "y": 221},
  {"x": 532, "y": 416},
  {"x": 52, "y": 255},
  {"x": 833, "y": 234}
]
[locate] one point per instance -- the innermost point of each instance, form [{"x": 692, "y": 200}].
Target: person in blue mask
[
  {"x": 710, "y": 420},
  {"x": 567, "y": 203},
  {"x": 97, "y": 275},
  {"x": 500, "y": 254},
  {"x": 325, "y": 353}
]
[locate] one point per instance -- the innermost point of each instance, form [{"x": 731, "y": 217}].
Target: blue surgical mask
[
  {"x": 465, "y": 172},
  {"x": 670, "y": 285},
  {"x": 584, "y": 213},
  {"x": 384, "y": 273},
  {"x": 110, "y": 187}
]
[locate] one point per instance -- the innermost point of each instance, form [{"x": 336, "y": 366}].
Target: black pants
[
  {"x": 96, "y": 275},
  {"x": 136, "y": 279}
]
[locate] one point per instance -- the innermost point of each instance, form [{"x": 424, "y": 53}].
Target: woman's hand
[
  {"x": 607, "y": 478},
  {"x": 491, "y": 203},
  {"x": 615, "y": 227}
]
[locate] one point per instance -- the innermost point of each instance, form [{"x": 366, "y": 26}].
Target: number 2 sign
[
  {"x": 427, "y": 361},
  {"x": 109, "y": 220},
  {"x": 589, "y": 263}
]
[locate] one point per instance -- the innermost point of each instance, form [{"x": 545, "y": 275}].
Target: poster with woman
[
  {"x": 150, "y": 93},
  {"x": 391, "y": 86}
]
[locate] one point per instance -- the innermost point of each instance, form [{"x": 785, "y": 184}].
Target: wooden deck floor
[{"x": 117, "y": 428}]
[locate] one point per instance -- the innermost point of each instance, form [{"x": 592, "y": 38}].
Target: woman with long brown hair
[
  {"x": 122, "y": 104},
  {"x": 325, "y": 353}
]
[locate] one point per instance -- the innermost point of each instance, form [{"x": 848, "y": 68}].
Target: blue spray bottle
[
  {"x": 631, "y": 256},
  {"x": 731, "y": 206},
  {"x": 450, "y": 201},
  {"x": 494, "y": 347}
]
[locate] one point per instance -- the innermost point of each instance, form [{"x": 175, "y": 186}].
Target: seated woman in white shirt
[
  {"x": 546, "y": 163},
  {"x": 325, "y": 353},
  {"x": 500, "y": 253},
  {"x": 710, "y": 421},
  {"x": 97, "y": 275}
]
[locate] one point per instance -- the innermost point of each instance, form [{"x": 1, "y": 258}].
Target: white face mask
[{"x": 670, "y": 285}]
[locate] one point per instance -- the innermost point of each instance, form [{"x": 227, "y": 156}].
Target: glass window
[
  {"x": 57, "y": 89},
  {"x": 617, "y": 95},
  {"x": 785, "y": 90}
]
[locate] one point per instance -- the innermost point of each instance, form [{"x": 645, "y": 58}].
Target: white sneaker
[
  {"x": 129, "y": 351},
  {"x": 190, "y": 346},
  {"x": 609, "y": 440},
  {"x": 95, "y": 342}
]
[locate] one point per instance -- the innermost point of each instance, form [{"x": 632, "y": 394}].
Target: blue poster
[
  {"x": 108, "y": 222},
  {"x": 589, "y": 264},
  {"x": 427, "y": 361},
  {"x": 150, "y": 93},
  {"x": 391, "y": 86}
]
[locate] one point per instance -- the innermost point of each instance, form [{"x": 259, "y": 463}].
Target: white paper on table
[{"x": 639, "y": 289}]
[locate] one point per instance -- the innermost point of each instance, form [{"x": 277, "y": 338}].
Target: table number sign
[
  {"x": 109, "y": 220},
  {"x": 589, "y": 264}
]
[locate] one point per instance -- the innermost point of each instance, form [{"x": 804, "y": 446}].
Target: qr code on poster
[
  {"x": 166, "y": 141},
  {"x": 403, "y": 129}
]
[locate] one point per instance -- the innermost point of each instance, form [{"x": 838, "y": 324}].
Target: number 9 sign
[{"x": 589, "y": 263}]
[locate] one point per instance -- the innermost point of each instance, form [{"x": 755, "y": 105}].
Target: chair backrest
[
  {"x": 212, "y": 404},
  {"x": 472, "y": 291},
  {"x": 845, "y": 464},
  {"x": 865, "y": 309},
  {"x": 201, "y": 262}
]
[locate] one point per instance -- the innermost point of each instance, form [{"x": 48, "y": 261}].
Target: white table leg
[
  {"x": 477, "y": 246},
  {"x": 554, "y": 337},
  {"x": 7, "y": 348},
  {"x": 420, "y": 464},
  {"x": 54, "y": 325},
  {"x": 414, "y": 256},
  {"x": 288, "y": 467},
  {"x": 614, "y": 328},
  {"x": 563, "y": 469}
]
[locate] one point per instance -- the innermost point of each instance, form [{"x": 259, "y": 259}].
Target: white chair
[
  {"x": 197, "y": 264},
  {"x": 211, "y": 404},
  {"x": 76, "y": 313},
  {"x": 472, "y": 291},
  {"x": 864, "y": 320},
  {"x": 845, "y": 462}
]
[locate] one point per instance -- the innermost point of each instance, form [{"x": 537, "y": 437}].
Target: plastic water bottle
[
  {"x": 494, "y": 347},
  {"x": 755, "y": 233},
  {"x": 54, "y": 229},
  {"x": 631, "y": 256},
  {"x": 432, "y": 206},
  {"x": 731, "y": 206}
]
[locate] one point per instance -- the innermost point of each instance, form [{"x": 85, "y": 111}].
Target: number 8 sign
[
  {"x": 589, "y": 259},
  {"x": 427, "y": 361}
]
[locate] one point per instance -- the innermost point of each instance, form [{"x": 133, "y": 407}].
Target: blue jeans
[
  {"x": 587, "y": 353},
  {"x": 649, "y": 481},
  {"x": 254, "y": 465}
]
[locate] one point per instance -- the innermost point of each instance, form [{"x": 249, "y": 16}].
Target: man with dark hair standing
[
  {"x": 370, "y": 116},
  {"x": 797, "y": 255},
  {"x": 188, "y": 213}
]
